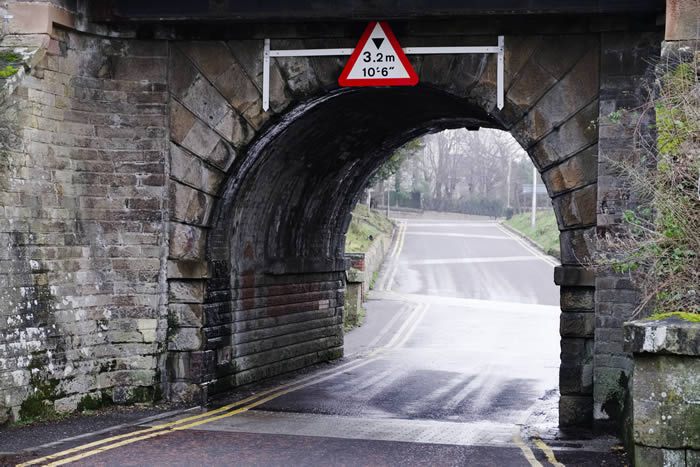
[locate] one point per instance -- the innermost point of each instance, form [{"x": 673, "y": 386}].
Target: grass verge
[
  {"x": 366, "y": 224},
  {"x": 545, "y": 234}
]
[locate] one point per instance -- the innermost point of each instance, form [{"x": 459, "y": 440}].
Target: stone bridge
[{"x": 167, "y": 237}]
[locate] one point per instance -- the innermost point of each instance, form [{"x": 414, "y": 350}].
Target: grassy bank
[
  {"x": 366, "y": 224},
  {"x": 545, "y": 233}
]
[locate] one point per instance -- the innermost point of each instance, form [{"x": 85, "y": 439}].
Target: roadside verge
[{"x": 372, "y": 233}]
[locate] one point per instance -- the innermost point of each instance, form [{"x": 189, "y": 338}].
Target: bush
[{"x": 660, "y": 243}]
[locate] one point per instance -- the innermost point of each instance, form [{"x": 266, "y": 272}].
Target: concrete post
[{"x": 682, "y": 20}]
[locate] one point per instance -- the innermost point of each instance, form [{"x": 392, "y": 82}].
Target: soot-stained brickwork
[{"x": 166, "y": 234}]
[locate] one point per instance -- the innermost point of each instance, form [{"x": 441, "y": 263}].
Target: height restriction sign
[{"x": 378, "y": 60}]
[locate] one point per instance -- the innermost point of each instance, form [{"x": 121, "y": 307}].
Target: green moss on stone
[
  {"x": 8, "y": 71},
  {"x": 141, "y": 394},
  {"x": 692, "y": 317},
  {"x": 10, "y": 57},
  {"x": 173, "y": 326},
  {"x": 90, "y": 402},
  {"x": 39, "y": 404}
]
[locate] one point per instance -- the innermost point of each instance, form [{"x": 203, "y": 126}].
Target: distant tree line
[{"x": 472, "y": 172}]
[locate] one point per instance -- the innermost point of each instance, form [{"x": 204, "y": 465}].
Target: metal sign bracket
[{"x": 499, "y": 49}]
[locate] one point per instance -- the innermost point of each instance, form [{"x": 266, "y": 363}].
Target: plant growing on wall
[
  {"x": 9, "y": 130},
  {"x": 660, "y": 242}
]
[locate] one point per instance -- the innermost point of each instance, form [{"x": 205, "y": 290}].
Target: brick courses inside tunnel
[
  {"x": 256, "y": 266},
  {"x": 279, "y": 231},
  {"x": 174, "y": 236}
]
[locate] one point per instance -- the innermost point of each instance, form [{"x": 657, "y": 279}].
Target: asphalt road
[{"x": 459, "y": 353}]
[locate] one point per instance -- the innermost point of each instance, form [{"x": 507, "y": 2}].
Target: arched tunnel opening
[
  {"x": 277, "y": 295},
  {"x": 289, "y": 204}
]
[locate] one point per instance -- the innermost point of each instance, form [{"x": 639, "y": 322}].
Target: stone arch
[{"x": 223, "y": 147}]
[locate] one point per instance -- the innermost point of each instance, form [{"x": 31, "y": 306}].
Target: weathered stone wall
[
  {"x": 627, "y": 79},
  {"x": 272, "y": 160},
  {"x": 84, "y": 204},
  {"x": 229, "y": 252},
  {"x": 665, "y": 389},
  {"x": 240, "y": 327},
  {"x": 360, "y": 273}
]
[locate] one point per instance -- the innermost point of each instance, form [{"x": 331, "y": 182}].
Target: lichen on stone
[
  {"x": 691, "y": 317},
  {"x": 8, "y": 71}
]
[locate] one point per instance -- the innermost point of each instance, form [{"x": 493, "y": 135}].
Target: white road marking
[
  {"x": 489, "y": 259},
  {"x": 480, "y": 433},
  {"x": 547, "y": 259},
  {"x": 453, "y": 224},
  {"x": 482, "y": 305},
  {"x": 459, "y": 235}
]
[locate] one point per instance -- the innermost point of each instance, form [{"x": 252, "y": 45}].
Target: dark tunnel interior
[{"x": 287, "y": 207}]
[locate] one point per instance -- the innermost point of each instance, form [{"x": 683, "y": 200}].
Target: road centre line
[
  {"x": 453, "y": 224},
  {"x": 460, "y": 235},
  {"x": 488, "y": 259},
  {"x": 414, "y": 318},
  {"x": 478, "y": 304}
]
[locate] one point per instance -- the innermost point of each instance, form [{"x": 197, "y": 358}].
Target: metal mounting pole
[
  {"x": 388, "y": 203},
  {"x": 267, "y": 53},
  {"x": 534, "y": 197},
  {"x": 266, "y": 76},
  {"x": 501, "y": 66}
]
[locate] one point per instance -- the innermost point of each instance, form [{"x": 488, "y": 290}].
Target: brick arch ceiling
[{"x": 286, "y": 210}]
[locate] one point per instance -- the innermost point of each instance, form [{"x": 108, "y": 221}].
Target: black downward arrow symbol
[{"x": 378, "y": 41}]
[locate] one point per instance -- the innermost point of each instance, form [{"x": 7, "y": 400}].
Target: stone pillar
[
  {"x": 626, "y": 80},
  {"x": 665, "y": 388},
  {"x": 354, "y": 285},
  {"x": 189, "y": 364},
  {"x": 577, "y": 325},
  {"x": 682, "y": 20}
]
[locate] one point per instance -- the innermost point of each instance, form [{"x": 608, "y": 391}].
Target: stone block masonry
[
  {"x": 627, "y": 76},
  {"x": 664, "y": 419},
  {"x": 164, "y": 233},
  {"x": 83, "y": 209},
  {"x": 360, "y": 274}
]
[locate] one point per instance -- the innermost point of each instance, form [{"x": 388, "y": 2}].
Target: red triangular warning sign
[{"x": 378, "y": 62}]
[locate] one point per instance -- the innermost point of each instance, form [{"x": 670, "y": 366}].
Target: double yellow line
[
  {"x": 398, "y": 246},
  {"x": 393, "y": 257},
  {"x": 530, "y": 456},
  {"x": 113, "y": 442}
]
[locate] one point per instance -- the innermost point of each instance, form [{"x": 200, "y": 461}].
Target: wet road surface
[{"x": 460, "y": 348}]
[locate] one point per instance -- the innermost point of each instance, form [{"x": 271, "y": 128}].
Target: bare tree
[{"x": 457, "y": 166}]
